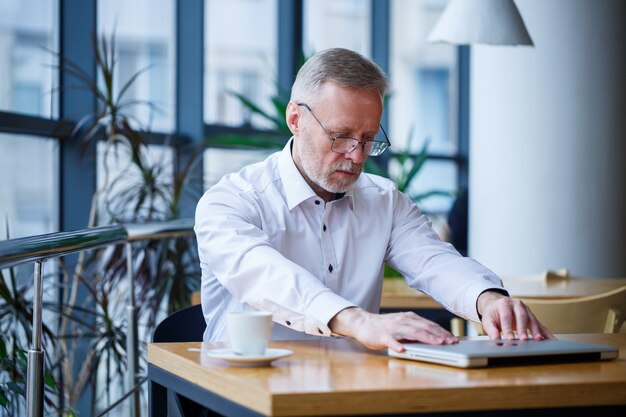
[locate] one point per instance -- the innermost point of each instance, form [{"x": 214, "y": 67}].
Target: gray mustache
[{"x": 349, "y": 167}]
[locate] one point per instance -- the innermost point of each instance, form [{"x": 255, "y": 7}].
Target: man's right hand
[{"x": 379, "y": 331}]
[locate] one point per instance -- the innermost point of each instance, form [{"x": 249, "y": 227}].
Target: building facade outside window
[
  {"x": 424, "y": 100},
  {"x": 29, "y": 174},
  {"x": 144, "y": 33},
  {"x": 240, "y": 45},
  {"x": 337, "y": 23}
]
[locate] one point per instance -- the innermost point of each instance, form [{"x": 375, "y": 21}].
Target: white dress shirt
[{"x": 266, "y": 241}]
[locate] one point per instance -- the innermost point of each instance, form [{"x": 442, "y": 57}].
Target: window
[
  {"x": 29, "y": 173},
  {"x": 144, "y": 35},
  {"x": 27, "y": 35},
  {"x": 144, "y": 40},
  {"x": 424, "y": 98},
  {"x": 28, "y": 185},
  {"x": 240, "y": 57},
  {"x": 127, "y": 184},
  {"x": 337, "y": 23},
  {"x": 240, "y": 39}
]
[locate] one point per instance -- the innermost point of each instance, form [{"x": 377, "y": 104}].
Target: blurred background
[{"x": 535, "y": 136}]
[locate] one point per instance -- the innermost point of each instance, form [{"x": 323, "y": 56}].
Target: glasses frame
[{"x": 386, "y": 144}]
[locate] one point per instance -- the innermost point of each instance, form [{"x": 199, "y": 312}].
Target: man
[{"x": 305, "y": 234}]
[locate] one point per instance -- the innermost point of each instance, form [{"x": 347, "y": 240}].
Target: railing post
[
  {"x": 35, "y": 370},
  {"x": 132, "y": 346}
]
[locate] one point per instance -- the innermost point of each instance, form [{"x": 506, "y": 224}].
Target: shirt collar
[{"x": 296, "y": 188}]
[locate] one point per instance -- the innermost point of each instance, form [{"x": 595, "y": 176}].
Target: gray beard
[{"x": 323, "y": 180}]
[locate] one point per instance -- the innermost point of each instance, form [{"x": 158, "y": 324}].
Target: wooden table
[
  {"x": 397, "y": 295},
  {"x": 340, "y": 377}
]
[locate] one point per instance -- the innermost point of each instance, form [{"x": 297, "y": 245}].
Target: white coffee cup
[{"x": 249, "y": 332}]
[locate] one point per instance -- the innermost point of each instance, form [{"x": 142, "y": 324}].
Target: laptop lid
[{"x": 473, "y": 353}]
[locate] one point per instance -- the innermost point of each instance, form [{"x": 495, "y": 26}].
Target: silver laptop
[{"x": 475, "y": 353}]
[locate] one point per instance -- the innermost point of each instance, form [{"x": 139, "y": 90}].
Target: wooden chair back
[{"x": 600, "y": 313}]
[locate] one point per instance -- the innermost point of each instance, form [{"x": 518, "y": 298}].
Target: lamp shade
[{"x": 493, "y": 22}]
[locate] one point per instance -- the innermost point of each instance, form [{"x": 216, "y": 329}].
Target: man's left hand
[{"x": 502, "y": 315}]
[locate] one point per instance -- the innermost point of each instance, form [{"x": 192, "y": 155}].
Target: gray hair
[{"x": 342, "y": 66}]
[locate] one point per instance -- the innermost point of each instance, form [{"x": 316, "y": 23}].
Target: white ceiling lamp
[{"x": 492, "y": 22}]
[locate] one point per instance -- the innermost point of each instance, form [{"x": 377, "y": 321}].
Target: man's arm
[
  {"x": 435, "y": 267},
  {"x": 241, "y": 256}
]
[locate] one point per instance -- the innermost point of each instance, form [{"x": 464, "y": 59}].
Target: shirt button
[
  {"x": 288, "y": 323},
  {"x": 324, "y": 228},
  {"x": 320, "y": 331},
  {"x": 317, "y": 202},
  {"x": 330, "y": 268}
]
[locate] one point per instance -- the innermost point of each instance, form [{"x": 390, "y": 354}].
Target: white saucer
[{"x": 241, "y": 360}]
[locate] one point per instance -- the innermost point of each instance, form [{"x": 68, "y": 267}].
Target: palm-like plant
[
  {"x": 15, "y": 333},
  {"x": 167, "y": 272}
]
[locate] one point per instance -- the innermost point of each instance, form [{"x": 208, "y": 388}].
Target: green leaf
[
  {"x": 418, "y": 163},
  {"x": 16, "y": 388},
  {"x": 70, "y": 413},
  {"x": 48, "y": 380},
  {"x": 256, "y": 109},
  {"x": 390, "y": 272},
  {"x": 372, "y": 167},
  {"x": 422, "y": 196},
  {"x": 3, "y": 349}
]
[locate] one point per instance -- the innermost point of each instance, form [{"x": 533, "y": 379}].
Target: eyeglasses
[{"x": 342, "y": 144}]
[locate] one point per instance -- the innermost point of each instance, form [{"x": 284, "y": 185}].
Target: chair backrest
[
  {"x": 186, "y": 325},
  {"x": 600, "y": 313}
]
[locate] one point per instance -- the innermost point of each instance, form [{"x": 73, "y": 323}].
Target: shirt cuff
[
  {"x": 471, "y": 299},
  {"x": 321, "y": 310},
  {"x": 498, "y": 290}
]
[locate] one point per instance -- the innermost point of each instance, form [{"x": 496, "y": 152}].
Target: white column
[{"x": 548, "y": 143}]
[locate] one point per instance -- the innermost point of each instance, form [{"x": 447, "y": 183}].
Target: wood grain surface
[{"x": 340, "y": 377}]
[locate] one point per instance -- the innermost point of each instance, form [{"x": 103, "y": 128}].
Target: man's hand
[
  {"x": 378, "y": 331},
  {"x": 501, "y": 315}
]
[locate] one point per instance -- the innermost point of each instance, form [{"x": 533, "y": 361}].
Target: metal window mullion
[
  {"x": 289, "y": 42},
  {"x": 189, "y": 94},
  {"x": 464, "y": 114}
]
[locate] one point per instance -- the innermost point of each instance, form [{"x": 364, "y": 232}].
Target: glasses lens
[
  {"x": 371, "y": 147},
  {"x": 344, "y": 145},
  {"x": 377, "y": 148}
]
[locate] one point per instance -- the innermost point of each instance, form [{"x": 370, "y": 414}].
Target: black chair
[{"x": 186, "y": 325}]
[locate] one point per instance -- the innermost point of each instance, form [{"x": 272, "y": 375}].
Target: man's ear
[{"x": 292, "y": 116}]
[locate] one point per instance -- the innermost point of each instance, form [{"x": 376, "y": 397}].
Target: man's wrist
[
  {"x": 487, "y": 295},
  {"x": 348, "y": 319}
]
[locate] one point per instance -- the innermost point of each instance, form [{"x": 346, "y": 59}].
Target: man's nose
[{"x": 357, "y": 155}]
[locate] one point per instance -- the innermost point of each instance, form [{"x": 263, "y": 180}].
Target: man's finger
[
  {"x": 521, "y": 320},
  {"x": 491, "y": 329},
  {"x": 506, "y": 321}
]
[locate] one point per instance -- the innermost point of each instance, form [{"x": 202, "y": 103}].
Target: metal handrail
[
  {"x": 159, "y": 230},
  {"x": 38, "y": 249},
  {"x": 24, "y": 250}
]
